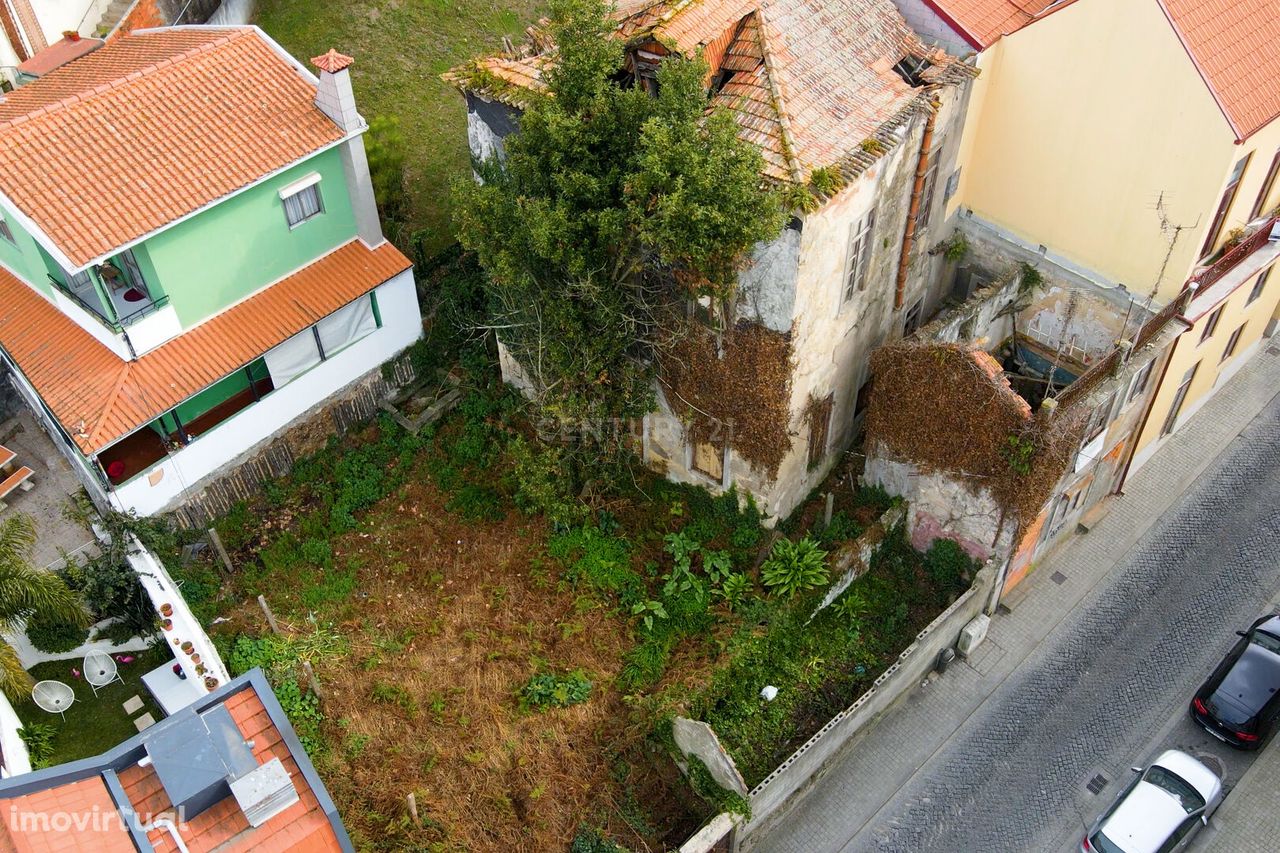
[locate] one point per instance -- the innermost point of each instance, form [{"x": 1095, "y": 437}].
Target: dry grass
[{"x": 449, "y": 620}]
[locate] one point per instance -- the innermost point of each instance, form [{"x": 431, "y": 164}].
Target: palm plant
[{"x": 27, "y": 591}]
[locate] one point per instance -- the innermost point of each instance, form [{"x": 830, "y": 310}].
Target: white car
[{"x": 1160, "y": 810}]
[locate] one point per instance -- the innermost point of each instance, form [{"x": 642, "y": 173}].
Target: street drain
[
  {"x": 1058, "y": 577},
  {"x": 1097, "y": 783}
]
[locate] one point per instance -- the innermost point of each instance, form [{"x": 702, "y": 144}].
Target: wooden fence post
[
  {"x": 221, "y": 549},
  {"x": 271, "y": 618}
]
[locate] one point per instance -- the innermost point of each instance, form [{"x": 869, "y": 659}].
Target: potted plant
[
  {"x": 210, "y": 682},
  {"x": 188, "y": 646},
  {"x": 167, "y": 624},
  {"x": 166, "y": 609},
  {"x": 200, "y": 669},
  {"x": 195, "y": 657}
]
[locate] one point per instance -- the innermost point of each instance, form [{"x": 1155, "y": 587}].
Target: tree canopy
[{"x": 612, "y": 207}]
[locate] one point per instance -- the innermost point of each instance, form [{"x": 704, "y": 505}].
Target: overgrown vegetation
[{"x": 612, "y": 209}]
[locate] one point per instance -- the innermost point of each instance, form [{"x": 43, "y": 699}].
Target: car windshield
[
  {"x": 1187, "y": 796},
  {"x": 1267, "y": 641},
  {"x": 1102, "y": 844}
]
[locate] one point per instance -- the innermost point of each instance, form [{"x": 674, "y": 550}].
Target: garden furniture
[
  {"x": 100, "y": 670},
  {"x": 18, "y": 479},
  {"x": 6, "y": 458},
  {"x": 53, "y": 696}
]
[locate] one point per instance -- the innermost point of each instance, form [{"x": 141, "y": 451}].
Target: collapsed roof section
[{"x": 813, "y": 84}]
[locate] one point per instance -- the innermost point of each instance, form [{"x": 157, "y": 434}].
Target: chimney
[
  {"x": 335, "y": 99},
  {"x": 334, "y": 96}
]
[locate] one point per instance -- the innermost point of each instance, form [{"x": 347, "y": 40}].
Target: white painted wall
[
  {"x": 240, "y": 434},
  {"x": 154, "y": 329},
  {"x": 90, "y": 324},
  {"x": 16, "y": 759}
]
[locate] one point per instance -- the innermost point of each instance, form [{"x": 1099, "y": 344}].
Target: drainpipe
[
  {"x": 165, "y": 823},
  {"x": 909, "y": 237},
  {"x": 1146, "y": 415}
]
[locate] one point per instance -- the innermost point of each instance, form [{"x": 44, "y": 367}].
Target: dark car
[{"x": 1239, "y": 703}]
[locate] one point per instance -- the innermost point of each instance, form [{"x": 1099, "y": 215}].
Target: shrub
[
  {"x": 55, "y": 636},
  {"x": 794, "y": 567},
  {"x": 590, "y": 840},
  {"x": 547, "y": 690},
  {"x": 841, "y": 529},
  {"x": 604, "y": 562},
  {"x": 543, "y": 482},
  {"x": 645, "y": 664},
  {"x": 733, "y": 589},
  {"x": 948, "y": 564},
  {"x": 38, "y": 738}
]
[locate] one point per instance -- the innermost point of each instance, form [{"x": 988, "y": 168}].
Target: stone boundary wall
[
  {"x": 769, "y": 799},
  {"x": 241, "y": 479},
  {"x": 714, "y": 837},
  {"x": 851, "y": 560}
]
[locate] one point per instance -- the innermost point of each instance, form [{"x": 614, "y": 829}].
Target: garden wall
[{"x": 770, "y": 799}]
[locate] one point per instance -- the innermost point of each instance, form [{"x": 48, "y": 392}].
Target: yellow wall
[
  {"x": 1189, "y": 350},
  {"x": 1078, "y": 125}
]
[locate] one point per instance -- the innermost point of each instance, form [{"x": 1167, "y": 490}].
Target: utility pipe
[{"x": 913, "y": 213}]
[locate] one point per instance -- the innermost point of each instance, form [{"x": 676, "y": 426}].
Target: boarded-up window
[
  {"x": 819, "y": 428},
  {"x": 708, "y": 459},
  {"x": 855, "y": 277}
]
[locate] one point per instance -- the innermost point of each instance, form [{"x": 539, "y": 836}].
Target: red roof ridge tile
[
  {"x": 103, "y": 88},
  {"x": 332, "y": 61}
]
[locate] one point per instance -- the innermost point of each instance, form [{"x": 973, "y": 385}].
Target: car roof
[
  {"x": 1252, "y": 679},
  {"x": 1271, "y": 625},
  {"x": 1144, "y": 820}
]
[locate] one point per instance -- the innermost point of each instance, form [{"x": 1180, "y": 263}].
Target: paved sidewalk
[
  {"x": 875, "y": 766},
  {"x": 1248, "y": 820}
]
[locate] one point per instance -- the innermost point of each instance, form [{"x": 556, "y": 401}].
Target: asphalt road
[{"x": 1108, "y": 687}]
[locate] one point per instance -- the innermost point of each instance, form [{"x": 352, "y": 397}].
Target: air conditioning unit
[
  {"x": 972, "y": 635},
  {"x": 265, "y": 792}
]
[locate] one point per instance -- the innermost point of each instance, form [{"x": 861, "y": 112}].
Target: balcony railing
[
  {"x": 116, "y": 324},
  {"x": 1233, "y": 256}
]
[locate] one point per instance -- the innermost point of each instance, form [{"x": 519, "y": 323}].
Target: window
[
  {"x": 913, "y": 318},
  {"x": 1224, "y": 206},
  {"x": 708, "y": 460},
  {"x": 1211, "y": 325},
  {"x": 926, "y": 196},
  {"x": 1098, "y": 419},
  {"x": 820, "y": 428},
  {"x": 1268, "y": 184},
  {"x": 1232, "y": 342},
  {"x": 864, "y": 397},
  {"x": 1259, "y": 286},
  {"x": 1139, "y": 384},
  {"x": 5, "y": 231},
  {"x": 1175, "y": 408},
  {"x": 859, "y": 254},
  {"x": 302, "y": 200}
]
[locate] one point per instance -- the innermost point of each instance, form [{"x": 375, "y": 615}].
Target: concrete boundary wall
[{"x": 770, "y": 799}]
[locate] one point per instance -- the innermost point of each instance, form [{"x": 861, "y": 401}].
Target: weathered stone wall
[{"x": 698, "y": 740}]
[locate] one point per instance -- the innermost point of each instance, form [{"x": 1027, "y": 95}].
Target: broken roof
[
  {"x": 808, "y": 80},
  {"x": 99, "y": 398},
  {"x": 981, "y": 22},
  {"x": 106, "y": 803},
  {"x": 156, "y": 125}
]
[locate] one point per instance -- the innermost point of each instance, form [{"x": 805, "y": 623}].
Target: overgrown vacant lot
[{"x": 401, "y": 49}]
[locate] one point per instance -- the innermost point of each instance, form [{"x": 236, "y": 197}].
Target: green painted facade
[
  {"x": 236, "y": 248},
  {"x": 25, "y": 257}
]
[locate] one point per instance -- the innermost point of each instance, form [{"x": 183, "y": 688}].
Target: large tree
[
  {"x": 26, "y": 591},
  {"x": 611, "y": 209}
]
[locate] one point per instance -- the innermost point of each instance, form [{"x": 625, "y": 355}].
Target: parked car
[
  {"x": 1160, "y": 810},
  {"x": 1240, "y": 702}
]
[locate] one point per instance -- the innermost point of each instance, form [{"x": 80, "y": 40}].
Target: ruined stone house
[
  {"x": 842, "y": 98},
  {"x": 1008, "y": 421}
]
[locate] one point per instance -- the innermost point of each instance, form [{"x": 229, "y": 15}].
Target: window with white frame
[
  {"x": 5, "y": 231},
  {"x": 859, "y": 254},
  {"x": 1139, "y": 383},
  {"x": 302, "y": 200},
  {"x": 1098, "y": 419}
]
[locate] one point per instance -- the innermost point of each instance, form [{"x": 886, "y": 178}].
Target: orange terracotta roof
[
  {"x": 301, "y": 826},
  {"x": 78, "y": 816},
  {"x": 152, "y": 127},
  {"x": 981, "y": 22},
  {"x": 58, "y": 54},
  {"x": 333, "y": 62},
  {"x": 99, "y": 398},
  {"x": 1235, "y": 44},
  {"x": 819, "y": 71}
]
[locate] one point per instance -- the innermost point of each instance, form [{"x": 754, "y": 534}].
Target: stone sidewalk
[
  {"x": 1248, "y": 820},
  {"x": 876, "y": 765}
]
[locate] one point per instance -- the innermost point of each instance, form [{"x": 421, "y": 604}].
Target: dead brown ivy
[
  {"x": 933, "y": 403},
  {"x": 743, "y": 395}
]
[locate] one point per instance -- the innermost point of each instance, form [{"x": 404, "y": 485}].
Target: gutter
[{"x": 913, "y": 214}]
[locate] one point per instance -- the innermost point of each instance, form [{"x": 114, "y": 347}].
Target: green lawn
[
  {"x": 93, "y": 724},
  {"x": 401, "y": 48}
]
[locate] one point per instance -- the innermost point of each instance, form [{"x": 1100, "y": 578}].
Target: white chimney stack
[{"x": 335, "y": 99}]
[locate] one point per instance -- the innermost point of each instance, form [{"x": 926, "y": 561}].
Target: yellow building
[{"x": 1139, "y": 143}]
